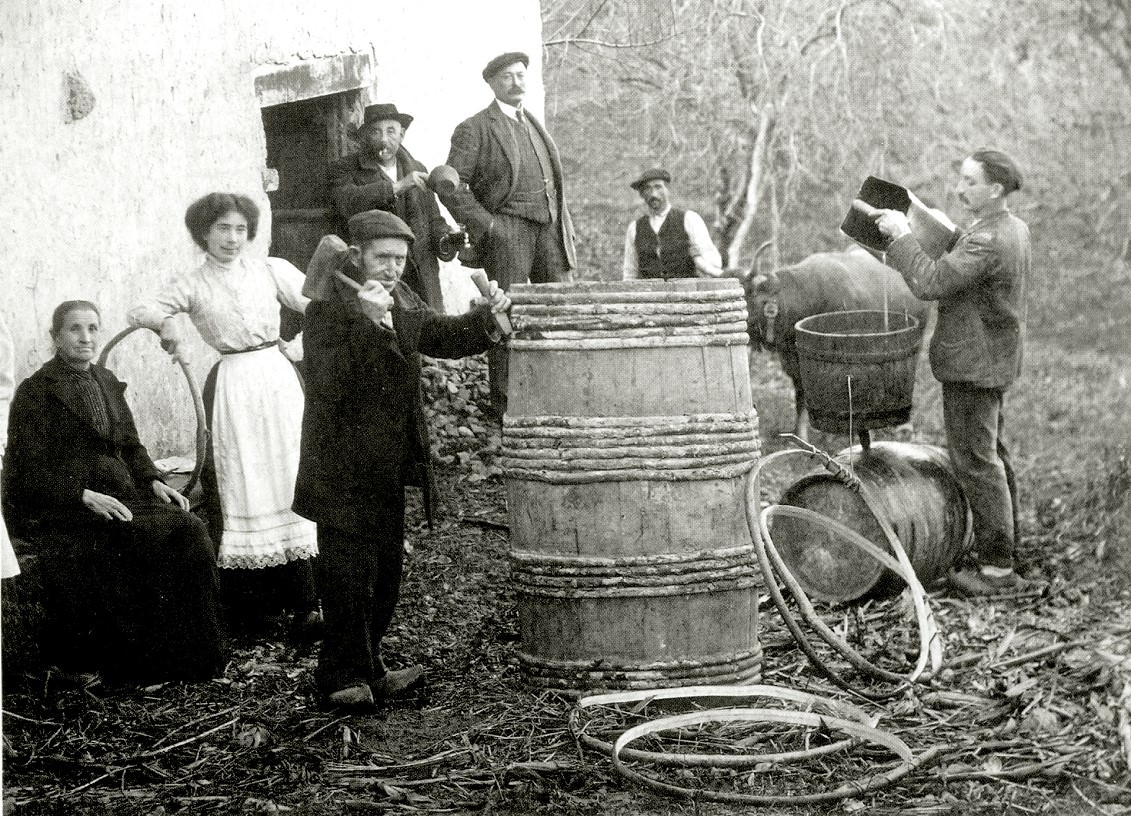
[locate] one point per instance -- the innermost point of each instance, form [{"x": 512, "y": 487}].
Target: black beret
[
  {"x": 502, "y": 61},
  {"x": 655, "y": 174},
  {"x": 365, "y": 226}
]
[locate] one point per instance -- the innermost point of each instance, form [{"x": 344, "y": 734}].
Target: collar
[{"x": 508, "y": 110}]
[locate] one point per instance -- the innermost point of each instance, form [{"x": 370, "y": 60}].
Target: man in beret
[
  {"x": 667, "y": 242},
  {"x": 511, "y": 195},
  {"x": 975, "y": 352},
  {"x": 383, "y": 175},
  {"x": 364, "y": 438}
]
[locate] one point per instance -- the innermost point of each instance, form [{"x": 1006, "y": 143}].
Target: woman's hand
[
  {"x": 106, "y": 506},
  {"x": 171, "y": 338},
  {"x": 168, "y": 495}
]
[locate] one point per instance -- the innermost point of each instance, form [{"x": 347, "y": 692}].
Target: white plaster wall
[{"x": 93, "y": 208}]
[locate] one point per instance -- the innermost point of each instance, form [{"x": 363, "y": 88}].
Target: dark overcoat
[
  {"x": 54, "y": 452},
  {"x": 135, "y": 600},
  {"x": 364, "y": 431},
  {"x": 358, "y": 184}
]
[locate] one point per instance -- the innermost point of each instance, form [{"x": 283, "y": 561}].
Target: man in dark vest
[
  {"x": 510, "y": 195},
  {"x": 383, "y": 175},
  {"x": 667, "y": 242}
]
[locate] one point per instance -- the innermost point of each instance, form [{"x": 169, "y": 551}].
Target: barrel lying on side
[
  {"x": 629, "y": 431},
  {"x": 912, "y": 486}
]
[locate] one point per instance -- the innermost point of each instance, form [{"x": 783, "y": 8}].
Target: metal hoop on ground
[
  {"x": 197, "y": 404},
  {"x": 838, "y": 708},
  {"x": 908, "y": 762},
  {"x": 901, "y": 565}
]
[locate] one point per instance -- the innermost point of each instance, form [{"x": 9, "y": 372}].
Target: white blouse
[{"x": 234, "y": 307}]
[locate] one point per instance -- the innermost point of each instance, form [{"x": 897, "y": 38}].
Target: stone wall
[{"x": 118, "y": 113}]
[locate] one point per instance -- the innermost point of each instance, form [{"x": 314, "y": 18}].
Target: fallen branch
[
  {"x": 1038, "y": 654},
  {"x": 149, "y": 754}
]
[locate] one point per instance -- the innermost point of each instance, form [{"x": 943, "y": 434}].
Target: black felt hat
[{"x": 386, "y": 111}]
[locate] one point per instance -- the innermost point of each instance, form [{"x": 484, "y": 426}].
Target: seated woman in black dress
[{"x": 130, "y": 584}]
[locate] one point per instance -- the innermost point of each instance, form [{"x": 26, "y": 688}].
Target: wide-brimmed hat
[
  {"x": 384, "y": 112},
  {"x": 365, "y": 226},
  {"x": 502, "y": 61},
  {"x": 655, "y": 174}
]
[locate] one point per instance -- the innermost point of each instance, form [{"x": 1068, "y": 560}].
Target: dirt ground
[{"x": 1028, "y": 707}]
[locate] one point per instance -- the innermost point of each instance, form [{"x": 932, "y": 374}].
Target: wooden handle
[
  {"x": 865, "y": 207},
  {"x": 479, "y": 278},
  {"x": 344, "y": 278}
]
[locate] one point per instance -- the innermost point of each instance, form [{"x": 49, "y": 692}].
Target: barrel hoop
[
  {"x": 732, "y": 667},
  {"x": 857, "y": 356},
  {"x": 566, "y": 458},
  {"x": 617, "y": 321},
  {"x": 533, "y": 312},
  {"x": 582, "y": 296},
  {"x": 595, "y": 449},
  {"x": 661, "y": 424},
  {"x": 614, "y": 343},
  {"x": 559, "y": 561},
  {"x": 695, "y": 326},
  {"x": 519, "y": 442},
  {"x": 733, "y": 580},
  {"x": 561, "y": 576}
]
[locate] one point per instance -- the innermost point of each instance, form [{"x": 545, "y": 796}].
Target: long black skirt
[{"x": 136, "y": 601}]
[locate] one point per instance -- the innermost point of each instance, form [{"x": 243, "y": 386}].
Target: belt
[{"x": 260, "y": 347}]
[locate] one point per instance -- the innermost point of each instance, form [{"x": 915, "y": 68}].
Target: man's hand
[
  {"x": 496, "y": 298},
  {"x": 454, "y": 242},
  {"x": 893, "y": 223},
  {"x": 415, "y": 178},
  {"x": 106, "y": 506},
  {"x": 706, "y": 269},
  {"x": 168, "y": 494},
  {"x": 375, "y": 301}
]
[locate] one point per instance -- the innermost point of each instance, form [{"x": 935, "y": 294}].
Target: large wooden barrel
[
  {"x": 629, "y": 431},
  {"x": 858, "y": 368},
  {"x": 913, "y": 488}
]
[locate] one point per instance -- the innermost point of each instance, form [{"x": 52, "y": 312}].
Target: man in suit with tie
[{"x": 510, "y": 197}]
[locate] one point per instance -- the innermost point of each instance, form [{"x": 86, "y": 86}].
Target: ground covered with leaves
[{"x": 1031, "y": 713}]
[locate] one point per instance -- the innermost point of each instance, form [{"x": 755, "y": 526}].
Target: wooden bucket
[
  {"x": 858, "y": 368},
  {"x": 628, "y": 433},
  {"x": 913, "y": 488}
]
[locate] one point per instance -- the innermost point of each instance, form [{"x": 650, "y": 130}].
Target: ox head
[{"x": 763, "y": 308}]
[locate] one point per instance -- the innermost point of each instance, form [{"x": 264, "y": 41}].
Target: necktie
[{"x": 520, "y": 116}]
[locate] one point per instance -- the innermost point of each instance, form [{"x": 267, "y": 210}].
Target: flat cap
[
  {"x": 655, "y": 174},
  {"x": 365, "y": 226},
  {"x": 502, "y": 61}
]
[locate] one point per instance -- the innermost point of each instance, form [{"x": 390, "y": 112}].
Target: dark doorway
[{"x": 302, "y": 139}]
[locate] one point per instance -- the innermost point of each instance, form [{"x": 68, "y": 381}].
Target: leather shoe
[
  {"x": 397, "y": 682},
  {"x": 972, "y": 582},
  {"x": 352, "y": 696}
]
